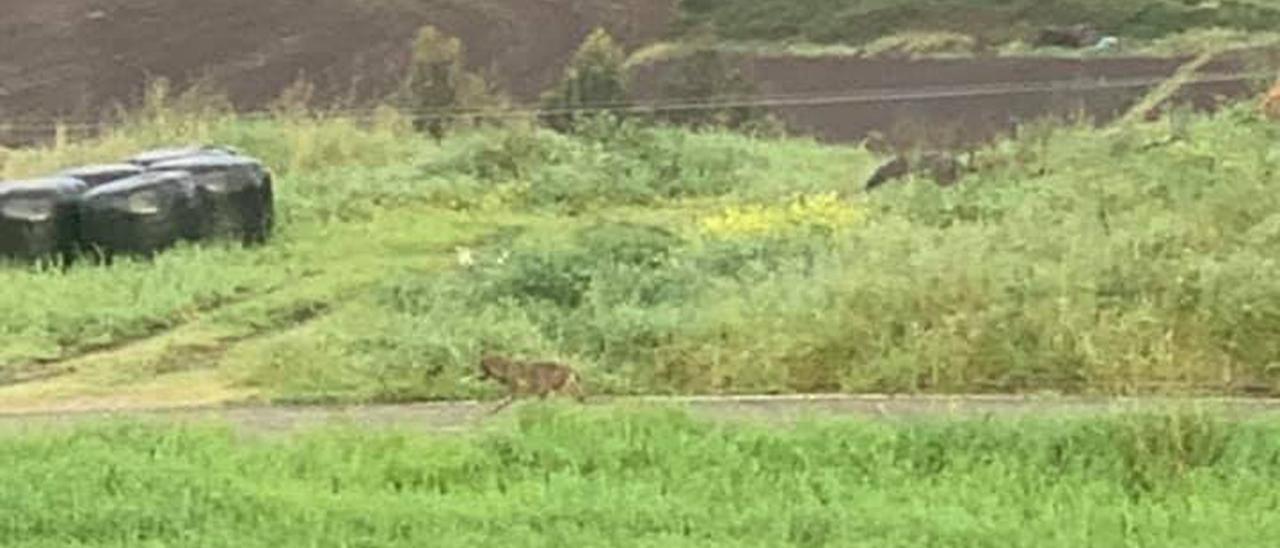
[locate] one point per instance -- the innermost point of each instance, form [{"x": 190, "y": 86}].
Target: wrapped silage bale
[
  {"x": 238, "y": 191},
  {"x": 38, "y": 218},
  {"x": 143, "y": 214},
  {"x": 149, "y": 158},
  {"x": 101, "y": 174}
]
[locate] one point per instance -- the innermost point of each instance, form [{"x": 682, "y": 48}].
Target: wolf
[{"x": 530, "y": 377}]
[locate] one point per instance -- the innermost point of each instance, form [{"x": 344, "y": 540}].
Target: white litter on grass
[
  {"x": 1107, "y": 43},
  {"x": 466, "y": 258}
]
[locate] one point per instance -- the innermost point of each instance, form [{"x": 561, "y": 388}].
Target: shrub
[
  {"x": 912, "y": 44},
  {"x": 603, "y": 163},
  {"x": 595, "y": 78},
  {"x": 437, "y": 87},
  {"x": 706, "y": 75}
]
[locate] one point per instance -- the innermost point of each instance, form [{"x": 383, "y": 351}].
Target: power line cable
[{"x": 806, "y": 99}]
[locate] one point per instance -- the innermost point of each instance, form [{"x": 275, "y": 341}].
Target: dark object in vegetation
[
  {"x": 237, "y": 190},
  {"x": 1075, "y": 37},
  {"x": 941, "y": 167},
  {"x": 38, "y": 218},
  {"x": 143, "y": 214},
  {"x": 98, "y": 175},
  {"x": 529, "y": 378},
  {"x": 892, "y": 170},
  {"x": 152, "y": 157}
]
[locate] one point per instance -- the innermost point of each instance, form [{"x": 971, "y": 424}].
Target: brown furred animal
[
  {"x": 1271, "y": 103},
  {"x": 1075, "y": 36},
  {"x": 530, "y": 377}
]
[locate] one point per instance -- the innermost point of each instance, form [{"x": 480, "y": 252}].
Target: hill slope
[
  {"x": 70, "y": 57},
  {"x": 858, "y": 22}
]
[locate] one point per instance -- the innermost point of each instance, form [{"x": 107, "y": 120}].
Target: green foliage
[
  {"x": 863, "y": 22},
  {"x": 911, "y": 44},
  {"x": 1070, "y": 264},
  {"x": 437, "y": 87},
  {"x": 595, "y": 78},
  {"x": 1130, "y": 260},
  {"x": 606, "y": 162},
  {"x": 707, "y": 75},
  {"x": 647, "y": 478}
]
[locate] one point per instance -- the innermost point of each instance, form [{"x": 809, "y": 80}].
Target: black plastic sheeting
[
  {"x": 143, "y": 214},
  {"x": 98, "y": 175},
  {"x": 141, "y": 206},
  {"x": 38, "y": 218},
  {"x": 156, "y": 156},
  {"x": 238, "y": 191}
]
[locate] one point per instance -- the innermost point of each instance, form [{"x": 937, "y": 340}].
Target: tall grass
[
  {"x": 293, "y": 139},
  {"x": 660, "y": 260},
  {"x": 648, "y": 478},
  {"x": 1137, "y": 261}
]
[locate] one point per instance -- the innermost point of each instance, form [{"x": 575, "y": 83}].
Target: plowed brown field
[{"x": 73, "y": 58}]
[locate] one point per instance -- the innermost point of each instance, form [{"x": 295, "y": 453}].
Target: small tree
[
  {"x": 431, "y": 85},
  {"x": 595, "y": 77},
  {"x": 706, "y": 75}
]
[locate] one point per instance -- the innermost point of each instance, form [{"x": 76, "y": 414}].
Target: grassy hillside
[
  {"x": 861, "y": 22},
  {"x": 665, "y": 261},
  {"x": 627, "y": 478}
]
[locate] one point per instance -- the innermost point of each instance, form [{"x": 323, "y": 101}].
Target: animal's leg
[
  {"x": 505, "y": 402},
  {"x": 575, "y": 389}
]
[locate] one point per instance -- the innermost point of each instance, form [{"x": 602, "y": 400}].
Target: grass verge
[{"x": 646, "y": 478}]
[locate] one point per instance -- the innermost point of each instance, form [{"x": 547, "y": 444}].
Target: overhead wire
[{"x": 1080, "y": 84}]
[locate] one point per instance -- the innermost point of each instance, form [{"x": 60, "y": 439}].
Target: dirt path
[{"x": 779, "y": 410}]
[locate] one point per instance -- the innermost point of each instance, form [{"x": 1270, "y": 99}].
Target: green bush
[
  {"x": 708, "y": 75},
  {"x": 604, "y": 164},
  {"x": 438, "y": 89},
  {"x": 595, "y": 78},
  {"x": 911, "y": 44}
]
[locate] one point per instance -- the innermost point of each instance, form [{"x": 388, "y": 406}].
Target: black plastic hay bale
[
  {"x": 98, "y": 175},
  {"x": 239, "y": 193},
  {"x": 156, "y": 156},
  {"x": 143, "y": 214},
  {"x": 38, "y": 218}
]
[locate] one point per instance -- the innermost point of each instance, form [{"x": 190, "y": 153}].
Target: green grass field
[
  {"x": 661, "y": 261},
  {"x": 651, "y": 478}
]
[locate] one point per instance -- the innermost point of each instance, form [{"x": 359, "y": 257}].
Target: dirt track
[{"x": 777, "y": 410}]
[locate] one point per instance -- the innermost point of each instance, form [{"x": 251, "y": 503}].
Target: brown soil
[
  {"x": 952, "y": 102},
  {"x": 74, "y": 57}
]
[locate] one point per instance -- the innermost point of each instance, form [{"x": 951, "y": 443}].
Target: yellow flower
[{"x": 824, "y": 211}]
